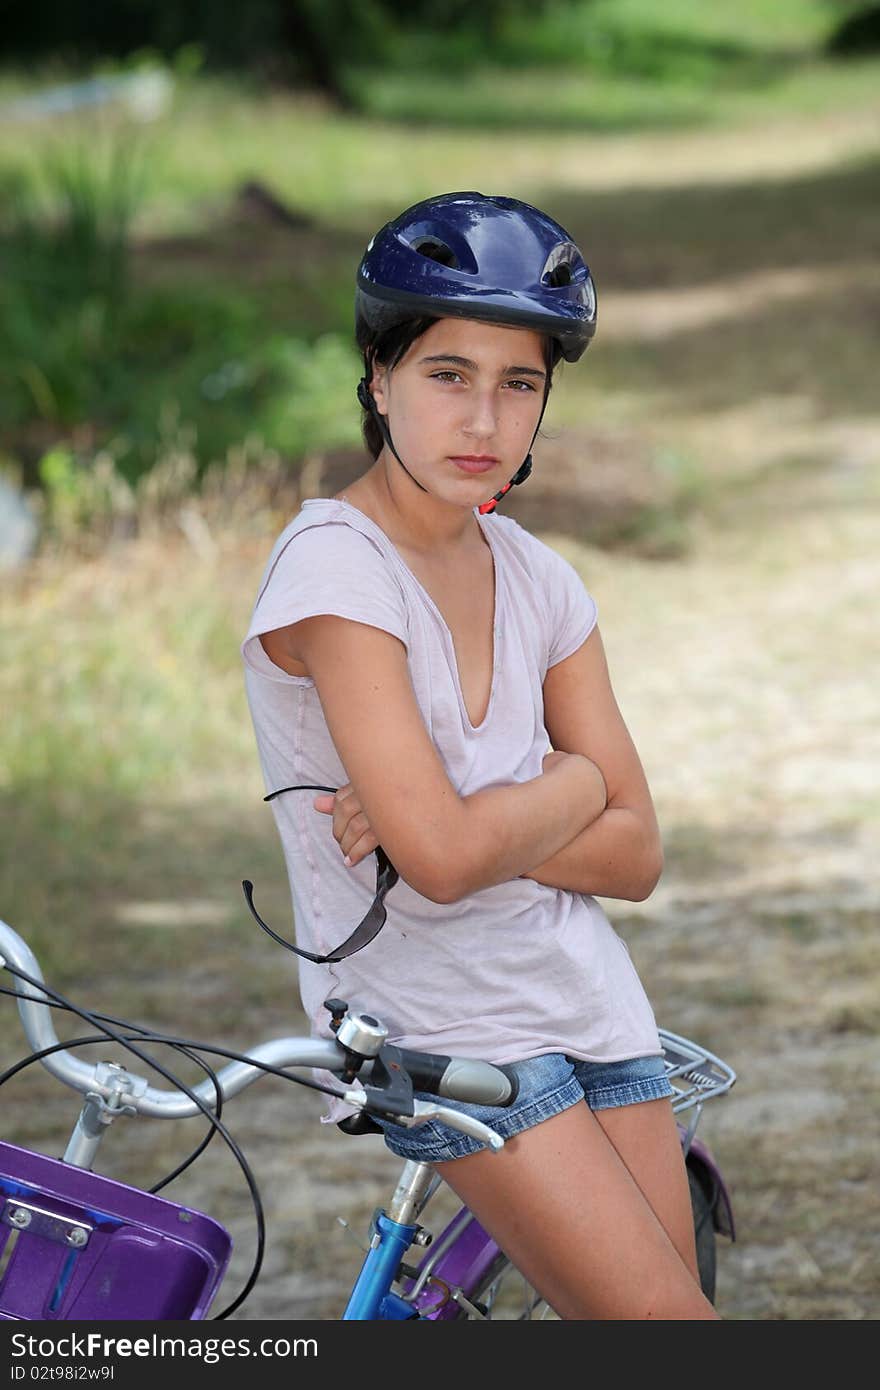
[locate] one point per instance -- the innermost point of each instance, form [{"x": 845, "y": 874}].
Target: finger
[
  {"x": 345, "y": 805},
  {"x": 345, "y": 832},
  {"x": 357, "y": 826},
  {"x": 324, "y": 803},
  {"x": 361, "y": 849}
]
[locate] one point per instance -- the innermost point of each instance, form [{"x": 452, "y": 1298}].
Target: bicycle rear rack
[{"x": 695, "y": 1074}]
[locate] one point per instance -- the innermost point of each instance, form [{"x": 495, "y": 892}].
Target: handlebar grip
[{"x": 461, "y": 1078}]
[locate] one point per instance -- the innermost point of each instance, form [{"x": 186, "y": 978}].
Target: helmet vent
[
  {"x": 560, "y": 275},
  {"x": 434, "y": 250}
]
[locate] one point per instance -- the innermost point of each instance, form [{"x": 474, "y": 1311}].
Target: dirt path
[{"x": 757, "y": 722}]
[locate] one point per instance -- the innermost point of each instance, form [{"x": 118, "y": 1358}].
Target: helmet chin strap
[
  {"x": 365, "y": 396},
  {"x": 519, "y": 476}
]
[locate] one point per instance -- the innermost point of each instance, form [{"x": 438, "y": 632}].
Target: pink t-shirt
[{"x": 512, "y": 971}]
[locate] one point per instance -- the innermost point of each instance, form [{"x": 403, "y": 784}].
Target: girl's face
[{"x": 463, "y": 404}]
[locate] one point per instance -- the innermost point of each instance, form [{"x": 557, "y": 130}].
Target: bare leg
[
  {"x": 646, "y": 1137},
  {"x": 563, "y": 1205}
]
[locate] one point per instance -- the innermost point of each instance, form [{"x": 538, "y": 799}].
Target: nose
[{"x": 482, "y": 422}]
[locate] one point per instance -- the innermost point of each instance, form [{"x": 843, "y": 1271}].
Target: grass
[
  {"x": 113, "y": 653},
  {"x": 309, "y": 154}
]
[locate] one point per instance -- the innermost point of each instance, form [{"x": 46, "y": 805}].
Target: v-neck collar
[{"x": 497, "y": 631}]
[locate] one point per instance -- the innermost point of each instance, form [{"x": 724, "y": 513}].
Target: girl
[{"x": 424, "y": 654}]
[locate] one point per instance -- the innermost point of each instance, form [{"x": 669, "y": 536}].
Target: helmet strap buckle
[
  {"x": 522, "y": 472},
  {"x": 519, "y": 476}
]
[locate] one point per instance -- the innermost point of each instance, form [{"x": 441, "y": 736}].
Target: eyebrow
[{"x": 466, "y": 362}]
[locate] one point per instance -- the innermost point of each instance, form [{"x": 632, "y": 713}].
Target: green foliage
[
  {"x": 319, "y": 43},
  {"x": 491, "y": 99},
  {"x": 680, "y": 41},
  {"x": 65, "y": 278},
  {"x": 82, "y": 345},
  {"x": 603, "y": 64},
  {"x": 209, "y": 355}
]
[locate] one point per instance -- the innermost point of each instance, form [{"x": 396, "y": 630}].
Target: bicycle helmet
[
  {"x": 469, "y": 255},
  {"x": 474, "y": 256}
]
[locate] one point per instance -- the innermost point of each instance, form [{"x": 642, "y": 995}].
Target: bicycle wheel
[
  {"x": 505, "y": 1295},
  {"x": 703, "y": 1205}
]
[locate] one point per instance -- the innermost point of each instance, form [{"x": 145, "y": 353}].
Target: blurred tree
[
  {"x": 858, "y": 32},
  {"x": 309, "y": 41},
  {"x": 325, "y": 35},
  {"x": 485, "y": 19}
]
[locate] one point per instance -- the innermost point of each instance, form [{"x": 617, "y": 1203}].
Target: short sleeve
[
  {"x": 572, "y": 609},
  {"x": 330, "y": 568}
]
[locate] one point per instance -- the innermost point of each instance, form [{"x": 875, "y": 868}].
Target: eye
[
  {"x": 445, "y": 375},
  {"x": 526, "y": 385}
]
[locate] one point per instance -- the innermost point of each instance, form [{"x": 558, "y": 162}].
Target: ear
[{"x": 379, "y": 387}]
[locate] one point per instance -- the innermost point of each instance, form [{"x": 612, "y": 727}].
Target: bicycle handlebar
[{"x": 456, "y": 1078}]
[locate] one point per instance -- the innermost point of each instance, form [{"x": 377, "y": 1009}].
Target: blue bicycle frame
[{"x": 372, "y": 1298}]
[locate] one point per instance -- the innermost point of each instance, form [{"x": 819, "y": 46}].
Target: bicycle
[{"x": 76, "y": 1246}]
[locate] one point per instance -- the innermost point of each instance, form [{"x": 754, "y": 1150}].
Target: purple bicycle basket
[{"x": 79, "y": 1247}]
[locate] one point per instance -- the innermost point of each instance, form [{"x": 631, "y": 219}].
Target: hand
[{"x": 351, "y": 829}]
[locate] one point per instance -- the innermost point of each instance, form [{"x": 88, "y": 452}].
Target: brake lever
[{"x": 428, "y": 1110}]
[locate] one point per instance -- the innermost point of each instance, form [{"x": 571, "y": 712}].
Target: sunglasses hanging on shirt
[{"x": 368, "y": 928}]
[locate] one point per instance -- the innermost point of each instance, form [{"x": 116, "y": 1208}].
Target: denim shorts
[{"x": 547, "y": 1085}]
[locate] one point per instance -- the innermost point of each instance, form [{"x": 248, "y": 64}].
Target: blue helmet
[{"x": 473, "y": 256}]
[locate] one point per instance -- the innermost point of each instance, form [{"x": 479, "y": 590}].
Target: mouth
[{"x": 475, "y": 463}]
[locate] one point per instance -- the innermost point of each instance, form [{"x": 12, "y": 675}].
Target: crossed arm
[
  {"x": 620, "y": 854},
  {"x": 587, "y": 824}
]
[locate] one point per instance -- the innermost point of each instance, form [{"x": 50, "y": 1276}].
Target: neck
[{"x": 414, "y": 518}]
